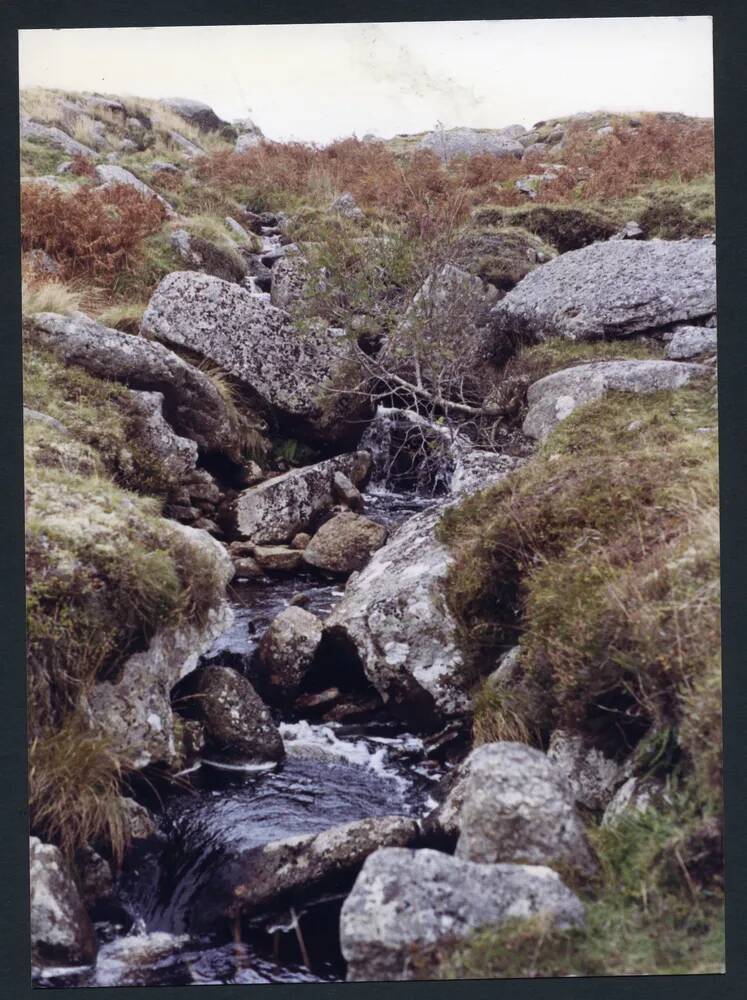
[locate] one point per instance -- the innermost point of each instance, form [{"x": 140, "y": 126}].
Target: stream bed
[{"x": 333, "y": 773}]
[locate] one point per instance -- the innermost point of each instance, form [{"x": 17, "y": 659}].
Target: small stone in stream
[
  {"x": 299, "y": 600},
  {"x": 346, "y": 492},
  {"x": 247, "y": 568},
  {"x": 300, "y": 541},
  {"x": 278, "y": 558},
  {"x": 317, "y": 700},
  {"x": 344, "y": 544},
  {"x": 238, "y": 725},
  {"x": 288, "y": 647}
]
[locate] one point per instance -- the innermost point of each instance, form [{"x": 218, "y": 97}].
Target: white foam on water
[{"x": 245, "y": 768}]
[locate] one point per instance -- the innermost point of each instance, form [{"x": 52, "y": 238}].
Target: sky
[{"x": 320, "y": 82}]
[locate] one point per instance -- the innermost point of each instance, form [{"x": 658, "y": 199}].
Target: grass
[
  {"x": 39, "y": 160},
  {"x": 49, "y": 295},
  {"x": 600, "y": 556}
]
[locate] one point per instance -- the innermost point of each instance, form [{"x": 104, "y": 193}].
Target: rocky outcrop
[
  {"x": 134, "y": 709},
  {"x": 395, "y": 616},
  {"x": 110, "y": 173},
  {"x": 610, "y": 289},
  {"x": 238, "y": 726},
  {"x": 248, "y": 338},
  {"x": 405, "y": 901},
  {"x": 518, "y": 806},
  {"x": 287, "y": 649},
  {"x": 556, "y": 396},
  {"x": 50, "y": 135},
  {"x": 191, "y": 403},
  {"x": 288, "y": 868},
  {"x": 199, "y": 254},
  {"x": 183, "y": 144},
  {"x": 691, "y": 342},
  {"x": 61, "y": 930},
  {"x": 455, "y": 142},
  {"x": 196, "y": 113},
  {"x": 279, "y": 508},
  {"x": 344, "y": 543},
  {"x": 177, "y": 455}
]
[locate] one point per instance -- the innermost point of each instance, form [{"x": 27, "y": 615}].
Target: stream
[{"x": 333, "y": 773}]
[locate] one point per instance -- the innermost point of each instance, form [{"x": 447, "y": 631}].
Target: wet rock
[
  {"x": 297, "y": 864},
  {"x": 346, "y": 205},
  {"x": 247, "y": 337},
  {"x": 278, "y": 558},
  {"x": 135, "y": 708},
  {"x": 247, "y": 568},
  {"x": 95, "y": 877},
  {"x": 592, "y": 776},
  {"x": 288, "y": 647},
  {"x": 196, "y": 113},
  {"x": 519, "y": 806},
  {"x": 316, "y": 702},
  {"x": 455, "y": 142},
  {"x": 191, "y": 403},
  {"x": 404, "y": 901},
  {"x": 610, "y": 289},
  {"x": 395, "y": 617},
  {"x": 141, "y": 824},
  {"x": 238, "y": 725},
  {"x": 475, "y": 470},
  {"x": 346, "y": 492},
  {"x": 109, "y": 174},
  {"x": 50, "y": 135},
  {"x": 202, "y": 255},
  {"x": 344, "y": 544},
  {"x": 691, "y": 341},
  {"x": 251, "y": 474},
  {"x": 61, "y": 930},
  {"x": 281, "y": 507},
  {"x": 556, "y": 396},
  {"x": 299, "y": 600}
]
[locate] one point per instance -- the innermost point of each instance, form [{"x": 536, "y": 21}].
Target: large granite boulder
[
  {"x": 556, "y": 396},
  {"x": 405, "y": 901},
  {"x": 344, "y": 544},
  {"x": 247, "y": 337},
  {"x": 395, "y": 617},
  {"x": 61, "y": 930},
  {"x": 191, "y": 403},
  {"x": 287, "y": 649},
  {"x": 455, "y": 142},
  {"x": 238, "y": 726},
  {"x": 610, "y": 289},
  {"x": 518, "y": 806},
  {"x": 50, "y": 135},
  {"x": 196, "y": 113},
  {"x": 280, "y": 507},
  {"x": 134, "y": 708},
  {"x": 691, "y": 342}
]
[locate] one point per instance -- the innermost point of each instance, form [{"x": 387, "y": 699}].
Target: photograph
[{"x": 371, "y": 477}]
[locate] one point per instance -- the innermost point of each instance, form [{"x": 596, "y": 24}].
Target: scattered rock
[
  {"x": 508, "y": 670},
  {"x": 49, "y": 135},
  {"x": 634, "y": 796},
  {"x": 346, "y": 492},
  {"x": 518, "y": 806},
  {"x": 238, "y": 725},
  {"x": 95, "y": 877},
  {"x": 140, "y": 822},
  {"x": 592, "y": 776},
  {"x": 346, "y": 205},
  {"x": 61, "y": 930},
  {"x": 196, "y": 113},
  {"x": 407, "y": 900},
  {"x": 109, "y": 174},
  {"x": 289, "y": 281},
  {"x": 630, "y": 231},
  {"x": 691, "y": 341},
  {"x": 176, "y": 455},
  {"x": 288, "y": 647},
  {"x": 344, "y": 543},
  {"x": 300, "y": 541},
  {"x": 279, "y": 508},
  {"x": 247, "y": 568},
  {"x": 278, "y": 558},
  {"x": 192, "y": 404},
  {"x": 189, "y": 148},
  {"x": 556, "y": 396},
  {"x": 610, "y": 289}
]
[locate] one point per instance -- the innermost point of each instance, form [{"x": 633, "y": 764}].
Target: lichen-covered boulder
[
  {"x": 246, "y": 336},
  {"x": 395, "y": 616},
  {"x": 344, "y": 544},
  {"x": 61, "y": 930},
  {"x": 134, "y": 709},
  {"x": 518, "y": 806},
  {"x": 279, "y": 508},
  {"x": 691, "y": 341},
  {"x": 556, "y": 396},
  {"x": 288, "y": 647},
  {"x": 404, "y": 901},
  {"x": 455, "y": 142},
  {"x": 592, "y": 776},
  {"x": 191, "y": 403},
  {"x": 238, "y": 726},
  {"x": 50, "y": 135},
  {"x": 610, "y": 289},
  {"x": 177, "y": 455},
  {"x": 197, "y": 113}
]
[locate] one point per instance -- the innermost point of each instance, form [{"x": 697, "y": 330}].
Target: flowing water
[{"x": 333, "y": 773}]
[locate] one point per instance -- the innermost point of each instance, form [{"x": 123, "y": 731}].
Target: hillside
[{"x": 372, "y": 541}]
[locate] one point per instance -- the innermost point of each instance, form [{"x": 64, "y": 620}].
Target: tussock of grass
[
  {"x": 534, "y": 362},
  {"x": 49, "y": 295},
  {"x": 126, "y": 316},
  {"x": 606, "y": 547}
]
